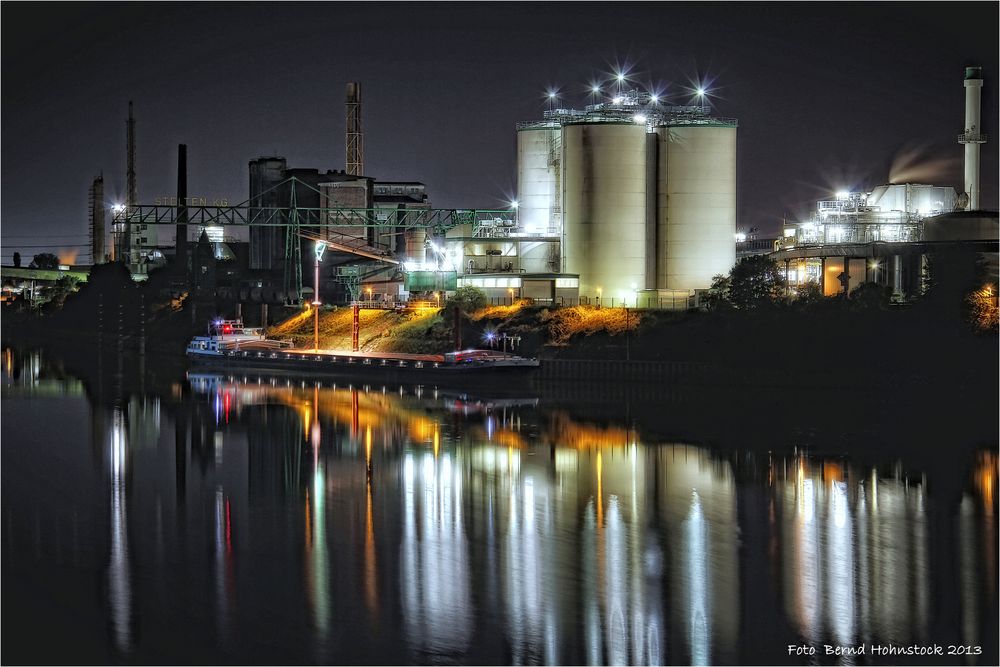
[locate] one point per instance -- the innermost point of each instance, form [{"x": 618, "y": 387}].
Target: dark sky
[{"x": 828, "y": 96}]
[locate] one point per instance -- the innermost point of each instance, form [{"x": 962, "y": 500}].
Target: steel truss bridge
[{"x": 333, "y": 223}]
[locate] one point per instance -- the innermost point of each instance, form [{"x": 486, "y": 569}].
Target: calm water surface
[{"x": 177, "y": 517}]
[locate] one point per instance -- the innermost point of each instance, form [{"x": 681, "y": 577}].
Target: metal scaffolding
[{"x": 320, "y": 222}]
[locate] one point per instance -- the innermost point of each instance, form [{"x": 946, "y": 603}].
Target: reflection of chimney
[
  {"x": 355, "y": 162},
  {"x": 972, "y": 137}
]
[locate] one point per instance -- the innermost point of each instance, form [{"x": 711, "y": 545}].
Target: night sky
[{"x": 828, "y": 96}]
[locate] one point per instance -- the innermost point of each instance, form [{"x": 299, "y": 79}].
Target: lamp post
[
  {"x": 510, "y": 292},
  {"x": 369, "y": 296},
  {"x": 320, "y": 247},
  {"x": 598, "y": 297},
  {"x": 437, "y": 298}
]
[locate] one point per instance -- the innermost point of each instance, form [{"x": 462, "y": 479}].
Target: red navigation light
[{"x": 226, "y": 328}]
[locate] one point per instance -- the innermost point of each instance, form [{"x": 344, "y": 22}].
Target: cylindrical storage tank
[
  {"x": 539, "y": 157},
  {"x": 416, "y": 241},
  {"x": 696, "y": 209},
  {"x": 605, "y": 208}
]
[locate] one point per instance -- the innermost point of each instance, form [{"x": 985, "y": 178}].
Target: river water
[{"x": 156, "y": 515}]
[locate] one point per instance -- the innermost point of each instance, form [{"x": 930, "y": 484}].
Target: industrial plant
[
  {"x": 629, "y": 200},
  {"x": 638, "y": 197},
  {"x": 886, "y": 235}
]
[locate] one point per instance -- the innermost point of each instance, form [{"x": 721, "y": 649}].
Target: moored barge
[{"x": 230, "y": 345}]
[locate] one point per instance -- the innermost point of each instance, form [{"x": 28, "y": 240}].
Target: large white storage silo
[
  {"x": 696, "y": 204},
  {"x": 539, "y": 179},
  {"x": 605, "y": 200}
]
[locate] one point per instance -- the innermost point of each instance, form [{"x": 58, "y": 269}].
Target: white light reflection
[
  {"x": 119, "y": 577},
  {"x": 806, "y": 550},
  {"x": 700, "y": 632},
  {"x": 222, "y": 564},
  {"x": 840, "y": 556},
  {"x": 522, "y": 578},
  {"x": 317, "y": 558},
  {"x": 434, "y": 562},
  {"x": 857, "y": 568}
]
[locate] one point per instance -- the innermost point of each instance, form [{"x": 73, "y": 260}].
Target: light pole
[
  {"x": 320, "y": 247},
  {"x": 510, "y": 292},
  {"x": 369, "y": 297},
  {"x": 598, "y": 297},
  {"x": 437, "y": 298}
]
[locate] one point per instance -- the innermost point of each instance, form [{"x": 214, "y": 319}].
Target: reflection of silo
[
  {"x": 696, "y": 216},
  {"x": 605, "y": 200},
  {"x": 539, "y": 157}
]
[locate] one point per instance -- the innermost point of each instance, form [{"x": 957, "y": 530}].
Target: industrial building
[
  {"x": 635, "y": 197},
  {"x": 891, "y": 213},
  {"x": 886, "y": 234}
]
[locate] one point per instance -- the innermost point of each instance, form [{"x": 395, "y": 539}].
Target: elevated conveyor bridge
[{"x": 322, "y": 223}]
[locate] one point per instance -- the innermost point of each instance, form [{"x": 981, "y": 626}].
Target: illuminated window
[{"x": 567, "y": 282}]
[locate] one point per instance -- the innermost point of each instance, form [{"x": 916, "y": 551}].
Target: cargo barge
[{"x": 231, "y": 346}]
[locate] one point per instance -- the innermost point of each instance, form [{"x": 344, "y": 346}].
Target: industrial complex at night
[
  {"x": 500, "y": 333},
  {"x": 630, "y": 200}
]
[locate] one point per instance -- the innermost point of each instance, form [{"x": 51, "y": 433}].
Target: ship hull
[{"x": 384, "y": 368}]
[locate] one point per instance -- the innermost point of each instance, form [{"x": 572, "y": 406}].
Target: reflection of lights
[
  {"x": 840, "y": 556},
  {"x": 700, "y": 633},
  {"x": 615, "y": 594},
  {"x": 119, "y": 578},
  {"x": 433, "y": 559},
  {"x": 317, "y": 568}
]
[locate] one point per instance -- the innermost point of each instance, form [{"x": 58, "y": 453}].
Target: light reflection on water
[{"x": 346, "y": 524}]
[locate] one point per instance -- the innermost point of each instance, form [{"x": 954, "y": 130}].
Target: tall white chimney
[{"x": 972, "y": 137}]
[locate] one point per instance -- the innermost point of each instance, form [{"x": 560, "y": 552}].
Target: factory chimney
[
  {"x": 972, "y": 137},
  {"x": 181, "y": 240},
  {"x": 132, "y": 195},
  {"x": 355, "y": 162},
  {"x": 98, "y": 249},
  {"x": 131, "y": 190}
]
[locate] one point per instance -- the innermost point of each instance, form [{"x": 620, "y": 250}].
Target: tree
[
  {"x": 981, "y": 306},
  {"x": 755, "y": 282},
  {"x": 17, "y": 259},
  {"x": 44, "y": 260},
  {"x": 62, "y": 288},
  {"x": 468, "y": 299},
  {"x": 808, "y": 295},
  {"x": 718, "y": 294},
  {"x": 870, "y": 296}
]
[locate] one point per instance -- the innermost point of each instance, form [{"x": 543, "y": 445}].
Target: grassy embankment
[
  {"x": 412, "y": 331},
  {"x": 431, "y": 331}
]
